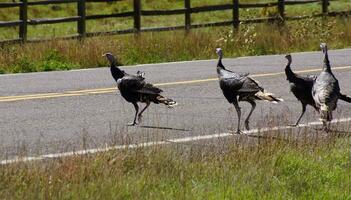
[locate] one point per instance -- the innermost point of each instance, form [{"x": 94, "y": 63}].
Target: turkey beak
[{"x": 103, "y": 55}]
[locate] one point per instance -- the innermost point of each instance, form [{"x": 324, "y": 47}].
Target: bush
[
  {"x": 24, "y": 65},
  {"x": 55, "y": 61}
]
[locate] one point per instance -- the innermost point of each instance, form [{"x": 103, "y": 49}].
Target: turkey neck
[
  {"x": 290, "y": 75},
  {"x": 326, "y": 63},
  {"x": 219, "y": 64},
  {"x": 116, "y": 72}
]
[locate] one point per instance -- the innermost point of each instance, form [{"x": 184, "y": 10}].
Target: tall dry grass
[
  {"x": 175, "y": 46},
  {"x": 276, "y": 166}
]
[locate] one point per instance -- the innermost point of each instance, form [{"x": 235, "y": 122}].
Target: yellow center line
[{"x": 113, "y": 89}]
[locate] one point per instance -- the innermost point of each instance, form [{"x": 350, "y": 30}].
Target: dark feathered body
[
  {"x": 300, "y": 86},
  {"x": 326, "y": 92},
  {"x": 241, "y": 88},
  {"x": 236, "y": 86},
  {"x": 303, "y": 93},
  {"x": 135, "y": 89}
]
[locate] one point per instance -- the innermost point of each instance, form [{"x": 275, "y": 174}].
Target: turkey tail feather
[
  {"x": 168, "y": 102},
  {"x": 345, "y": 98},
  {"x": 268, "y": 97}
]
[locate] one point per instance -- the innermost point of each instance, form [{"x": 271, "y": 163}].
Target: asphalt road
[{"x": 63, "y": 111}]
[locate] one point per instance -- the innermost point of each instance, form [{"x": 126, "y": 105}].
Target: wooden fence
[{"x": 138, "y": 12}]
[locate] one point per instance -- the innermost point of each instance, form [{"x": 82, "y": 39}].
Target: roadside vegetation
[
  {"x": 257, "y": 39},
  {"x": 314, "y": 166}
]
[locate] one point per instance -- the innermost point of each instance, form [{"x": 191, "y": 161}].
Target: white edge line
[
  {"x": 171, "y": 63},
  {"x": 154, "y": 143}
]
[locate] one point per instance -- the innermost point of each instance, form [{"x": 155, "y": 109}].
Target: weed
[
  {"x": 54, "y": 61},
  {"x": 302, "y": 169},
  {"x": 24, "y": 64}
]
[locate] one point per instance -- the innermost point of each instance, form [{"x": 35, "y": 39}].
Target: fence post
[
  {"x": 325, "y": 4},
  {"x": 236, "y": 14},
  {"x": 81, "y": 21},
  {"x": 137, "y": 15},
  {"x": 281, "y": 9},
  {"x": 23, "y": 16},
  {"x": 187, "y": 6}
]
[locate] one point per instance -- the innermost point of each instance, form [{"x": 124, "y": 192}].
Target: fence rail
[{"x": 137, "y": 13}]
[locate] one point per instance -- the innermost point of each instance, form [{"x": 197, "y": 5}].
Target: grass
[
  {"x": 198, "y": 44},
  {"x": 256, "y": 39},
  {"x": 310, "y": 168},
  {"x": 66, "y": 10}
]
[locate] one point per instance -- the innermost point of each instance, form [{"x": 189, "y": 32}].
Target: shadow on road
[{"x": 165, "y": 128}]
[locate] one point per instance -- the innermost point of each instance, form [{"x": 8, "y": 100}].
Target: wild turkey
[
  {"x": 239, "y": 87},
  {"x": 326, "y": 90},
  {"x": 134, "y": 89},
  {"x": 301, "y": 87}
]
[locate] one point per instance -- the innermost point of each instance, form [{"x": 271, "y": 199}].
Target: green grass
[
  {"x": 51, "y": 60},
  {"x": 273, "y": 169},
  {"x": 258, "y": 39},
  {"x": 66, "y": 10}
]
